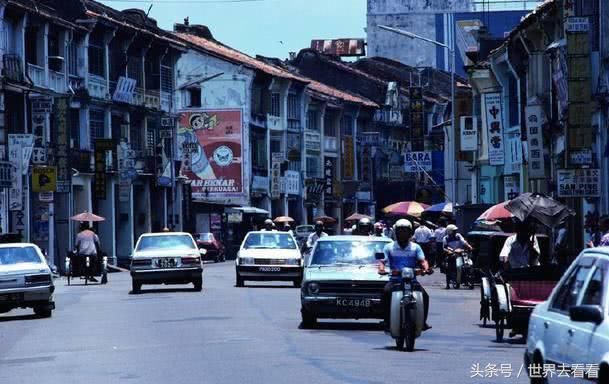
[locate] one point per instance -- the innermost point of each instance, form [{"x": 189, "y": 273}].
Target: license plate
[
  {"x": 269, "y": 269},
  {"x": 353, "y": 303},
  {"x": 11, "y": 297},
  {"x": 166, "y": 262}
]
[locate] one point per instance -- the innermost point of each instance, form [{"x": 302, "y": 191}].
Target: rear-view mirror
[
  {"x": 587, "y": 314},
  {"x": 379, "y": 256}
]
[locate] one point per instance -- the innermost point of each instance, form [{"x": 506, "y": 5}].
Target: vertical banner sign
[
  {"x": 329, "y": 177},
  {"x": 276, "y": 160},
  {"x": 126, "y": 170},
  {"x": 41, "y": 107},
  {"x": 511, "y": 186},
  {"x": 417, "y": 119},
  {"x": 217, "y": 165},
  {"x": 469, "y": 133},
  {"x": 20, "y": 151},
  {"x": 62, "y": 156},
  {"x": 535, "y": 142},
  {"x": 366, "y": 175},
  {"x": 348, "y": 153},
  {"x": 514, "y": 154},
  {"x": 494, "y": 125},
  {"x": 101, "y": 146}
]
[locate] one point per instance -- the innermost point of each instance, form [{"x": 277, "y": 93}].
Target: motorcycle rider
[
  {"x": 319, "y": 233},
  {"x": 402, "y": 253},
  {"x": 453, "y": 241},
  {"x": 269, "y": 226},
  {"x": 364, "y": 227},
  {"x": 378, "y": 229}
]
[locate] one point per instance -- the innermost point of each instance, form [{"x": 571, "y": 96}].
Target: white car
[
  {"x": 25, "y": 279},
  {"x": 269, "y": 256},
  {"x": 572, "y": 326},
  {"x": 166, "y": 258}
]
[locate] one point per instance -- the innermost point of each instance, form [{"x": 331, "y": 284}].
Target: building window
[
  {"x": 97, "y": 124},
  {"x": 97, "y": 57},
  {"x": 346, "y": 125},
  {"x": 329, "y": 127},
  {"x": 135, "y": 70},
  {"x": 73, "y": 59},
  {"x": 135, "y": 136},
  {"x": 75, "y": 128},
  {"x": 257, "y": 104},
  {"x": 294, "y": 165},
  {"x": 151, "y": 128},
  {"x": 166, "y": 76},
  {"x": 31, "y": 46},
  {"x": 275, "y": 146},
  {"x": 313, "y": 167},
  {"x": 293, "y": 112},
  {"x": 313, "y": 120},
  {"x": 194, "y": 95},
  {"x": 275, "y": 104},
  {"x": 55, "y": 64}
]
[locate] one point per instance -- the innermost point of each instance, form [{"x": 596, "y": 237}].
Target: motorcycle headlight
[
  {"x": 313, "y": 288},
  {"x": 246, "y": 260},
  {"x": 408, "y": 273}
]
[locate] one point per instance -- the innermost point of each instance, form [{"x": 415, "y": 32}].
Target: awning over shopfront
[{"x": 252, "y": 210}]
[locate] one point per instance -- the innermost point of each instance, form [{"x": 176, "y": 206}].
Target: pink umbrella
[
  {"x": 87, "y": 216},
  {"x": 406, "y": 208},
  {"x": 496, "y": 212}
]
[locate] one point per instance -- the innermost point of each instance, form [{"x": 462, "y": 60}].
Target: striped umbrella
[
  {"x": 496, "y": 212},
  {"x": 446, "y": 208},
  {"x": 405, "y": 208}
]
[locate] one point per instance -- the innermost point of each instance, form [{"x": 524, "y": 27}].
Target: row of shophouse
[
  {"x": 103, "y": 111},
  {"x": 540, "y": 110}
]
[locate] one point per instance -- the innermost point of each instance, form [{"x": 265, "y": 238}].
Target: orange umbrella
[
  {"x": 283, "y": 219},
  {"x": 325, "y": 219},
  {"x": 405, "y": 208},
  {"x": 357, "y": 217},
  {"x": 87, "y": 216}
]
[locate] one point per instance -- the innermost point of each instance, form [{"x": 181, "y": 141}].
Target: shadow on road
[
  {"x": 162, "y": 290},
  {"x": 18, "y": 317},
  {"x": 345, "y": 326},
  {"x": 268, "y": 286},
  {"x": 393, "y": 348}
]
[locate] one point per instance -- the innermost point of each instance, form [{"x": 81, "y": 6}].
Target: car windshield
[
  {"x": 305, "y": 229},
  {"x": 205, "y": 237},
  {"x": 273, "y": 240},
  {"x": 346, "y": 252},
  {"x": 17, "y": 255},
  {"x": 148, "y": 243}
]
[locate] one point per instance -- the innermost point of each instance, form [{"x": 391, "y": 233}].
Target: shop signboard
[
  {"x": 329, "y": 163},
  {"x": 417, "y": 162},
  {"x": 579, "y": 182},
  {"x": 44, "y": 179},
  {"x": 62, "y": 139},
  {"x": 494, "y": 125},
  {"x": 217, "y": 165},
  {"x": 534, "y": 121},
  {"x": 348, "y": 157},
  {"x": 511, "y": 186},
  {"x": 417, "y": 119},
  {"x": 276, "y": 160},
  {"x": 292, "y": 182},
  {"x": 469, "y": 133}
]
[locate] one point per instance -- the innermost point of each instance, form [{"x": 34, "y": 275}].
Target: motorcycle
[
  {"x": 462, "y": 270},
  {"x": 407, "y": 313}
]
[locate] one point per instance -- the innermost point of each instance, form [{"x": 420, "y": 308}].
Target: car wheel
[
  {"x": 136, "y": 286},
  {"x": 198, "y": 283},
  {"x": 308, "y": 319},
  {"x": 603, "y": 374},
  {"x": 239, "y": 281},
  {"x": 538, "y": 361},
  {"x": 43, "y": 310}
]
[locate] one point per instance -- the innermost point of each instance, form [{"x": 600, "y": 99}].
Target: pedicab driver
[
  {"x": 522, "y": 249},
  {"x": 403, "y": 253}
]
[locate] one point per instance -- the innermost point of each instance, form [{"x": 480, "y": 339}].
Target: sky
[{"x": 267, "y": 27}]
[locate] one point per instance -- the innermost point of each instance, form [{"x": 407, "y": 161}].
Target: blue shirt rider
[{"x": 403, "y": 253}]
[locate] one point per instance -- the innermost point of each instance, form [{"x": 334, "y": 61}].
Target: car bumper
[
  {"x": 167, "y": 276},
  {"x": 270, "y": 272},
  {"x": 210, "y": 253},
  {"x": 327, "y": 307},
  {"x": 25, "y": 296}
]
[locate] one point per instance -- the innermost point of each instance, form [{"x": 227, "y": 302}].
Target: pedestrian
[
  {"x": 438, "y": 237},
  {"x": 319, "y": 233},
  {"x": 603, "y": 224},
  {"x": 287, "y": 228},
  {"x": 424, "y": 236},
  {"x": 522, "y": 249},
  {"x": 88, "y": 245},
  {"x": 561, "y": 249},
  {"x": 269, "y": 226},
  {"x": 378, "y": 229}
]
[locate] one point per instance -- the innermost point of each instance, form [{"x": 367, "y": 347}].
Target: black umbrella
[{"x": 545, "y": 209}]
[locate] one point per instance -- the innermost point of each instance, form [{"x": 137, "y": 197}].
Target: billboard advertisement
[{"x": 216, "y": 169}]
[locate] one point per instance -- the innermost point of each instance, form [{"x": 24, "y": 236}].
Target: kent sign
[{"x": 417, "y": 162}]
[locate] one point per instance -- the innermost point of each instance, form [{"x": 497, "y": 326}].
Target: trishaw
[{"x": 86, "y": 267}]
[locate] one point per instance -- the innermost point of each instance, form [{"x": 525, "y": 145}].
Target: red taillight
[{"x": 190, "y": 260}]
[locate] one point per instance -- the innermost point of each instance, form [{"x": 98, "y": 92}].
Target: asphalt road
[{"x": 102, "y": 334}]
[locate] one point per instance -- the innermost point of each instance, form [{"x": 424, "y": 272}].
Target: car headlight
[
  {"x": 292, "y": 262},
  {"x": 313, "y": 288},
  {"x": 408, "y": 273},
  {"x": 246, "y": 260}
]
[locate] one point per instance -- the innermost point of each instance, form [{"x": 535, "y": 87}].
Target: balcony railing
[
  {"x": 57, "y": 82},
  {"x": 36, "y": 74},
  {"x": 330, "y": 144},
  {"x": 76, "y": 83},
  {"x": 97, "y": 86},
  {"x": 138, "y": 96},
  {"x": 152, "y": 99},
  {"x": 12, "y": 68}
]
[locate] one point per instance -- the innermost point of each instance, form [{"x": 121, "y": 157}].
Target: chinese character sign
[
  {"x": 579, "y": 182},
  {"x": 494, "y": 126},
  {"x": 329, "y": 176},
  {"x": 535, "y": 141},
  {"x": 64, "y": 170},
  {"x": 216, "y": 168},
  {"x": 348, "y": 153},
  {"x": 276, "y": 160}
]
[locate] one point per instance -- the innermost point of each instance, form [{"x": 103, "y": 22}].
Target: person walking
[
  {"x": 88, "y": 245},
  {"x": 424, "y": 236},
  {"x": 438, "y": 237}
]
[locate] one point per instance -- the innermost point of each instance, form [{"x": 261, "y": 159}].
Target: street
[{"x": 103, "y": 334}]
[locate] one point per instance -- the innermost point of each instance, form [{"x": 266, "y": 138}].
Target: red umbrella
[
  {"x": 405, "y": 208},
  {"x": 496, "y": 212},
  {"x": 357, "y": 217},
  {"x": 87, "y": 216}
]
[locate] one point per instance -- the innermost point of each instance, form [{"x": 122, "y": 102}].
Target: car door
[
  {"x": 557, "y": 340},
  {"x": 594, "y": 341}
]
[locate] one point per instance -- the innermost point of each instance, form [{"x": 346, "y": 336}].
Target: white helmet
[
  {"x": 402, "y": 223},
  {"x": 452, "y": 228}
]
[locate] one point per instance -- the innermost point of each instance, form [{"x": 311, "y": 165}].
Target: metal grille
[
  {"x": 347, "y": 288},
  {"x": 269, "y": 261},
  {"x": 97, "y": 118},
  {"x": 166, "y": 79}
]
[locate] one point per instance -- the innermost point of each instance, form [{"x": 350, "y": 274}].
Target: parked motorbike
[{"x": 462, "y": 269}]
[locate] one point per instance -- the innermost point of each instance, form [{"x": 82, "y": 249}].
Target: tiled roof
[{"x": 234, "y": 55}]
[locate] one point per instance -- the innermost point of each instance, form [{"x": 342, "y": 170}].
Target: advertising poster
[
  {"x": 216, "y": 168},
  {"x": 469, "y": 133},
  {"x": 494, "y": 125}
]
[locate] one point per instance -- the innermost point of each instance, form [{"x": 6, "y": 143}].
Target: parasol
[
  {"x": 87, "y": 216},
  {"x": 405, "y": 208},
  {"x": 357, "y": 217},
  {"x": 325, "y": 219},
  {"x": 442, "y": 208},
  {"x": 283, "y": 219},
  {"x": 544, "y": 209},
  {"x": 496, "y": 212}
]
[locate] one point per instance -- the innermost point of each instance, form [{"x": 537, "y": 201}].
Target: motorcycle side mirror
[{"x": 379, "y": 256}]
